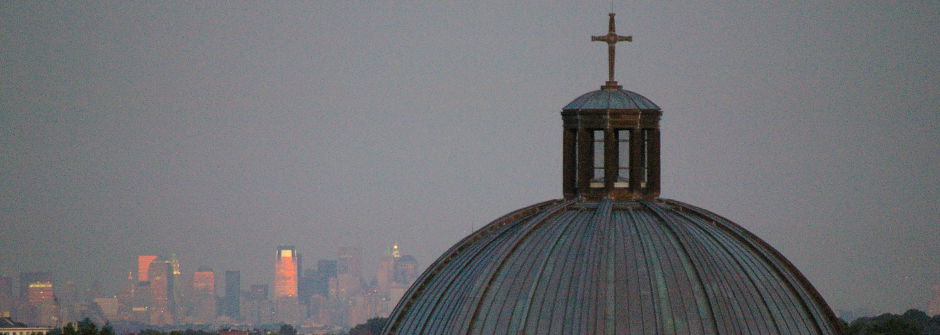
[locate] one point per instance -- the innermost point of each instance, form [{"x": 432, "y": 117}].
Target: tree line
[{"x": 912, "y": 322}]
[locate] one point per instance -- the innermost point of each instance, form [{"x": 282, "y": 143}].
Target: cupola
[{"x": 611, "y": 139}]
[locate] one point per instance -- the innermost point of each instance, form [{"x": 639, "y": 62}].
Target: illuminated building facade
[
  {"x": 286, "y": 272},
  {"x": 143, "y": 267},
  {"x": 286, "y": 285},
  {"x": 163, "y": 302},
  {"x": 203, "y": 295}
]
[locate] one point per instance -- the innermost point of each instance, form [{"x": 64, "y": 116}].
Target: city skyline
[
  {"x": 160, "y": 295},
  {"x": 219, "y": 132}
]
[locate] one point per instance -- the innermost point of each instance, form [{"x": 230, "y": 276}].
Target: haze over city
[{"x": 219, "y": 131}]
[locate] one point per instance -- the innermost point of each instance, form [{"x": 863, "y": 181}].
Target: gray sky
[{"x": 218, "y": 130}]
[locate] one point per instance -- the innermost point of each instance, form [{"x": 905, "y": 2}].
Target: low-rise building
[{"x": 10, "y": 327}]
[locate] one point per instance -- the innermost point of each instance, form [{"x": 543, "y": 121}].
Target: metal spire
[{"x": 611, "y": 38}]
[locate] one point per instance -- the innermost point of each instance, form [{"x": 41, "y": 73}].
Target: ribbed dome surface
[
  {"x": 632, "y": 267},
  {"x": 611, "y": 99}
]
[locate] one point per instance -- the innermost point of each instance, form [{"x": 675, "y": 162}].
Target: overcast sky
[{"x": 219, "y": 130}]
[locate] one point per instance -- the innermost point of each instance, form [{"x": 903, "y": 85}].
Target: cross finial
[{"x": 611, "y": 38}]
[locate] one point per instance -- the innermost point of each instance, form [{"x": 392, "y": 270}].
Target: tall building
[
  {"x": 611, "y": 256},
  {"x": 286, "y": 271},
  {"x": 257, "y": 309},
  {"x": 35, "y": 287},
  {"x": 286, "y": 286},
  {"x": 307, "y": 285},
  {"x": 258, "y": 292},
  {"x": 143, "y": 267},
  {"x": 230, "y": 303},
  {"x": 162, "y": 307},
  {"x": 349, "y": 261},
  {"x": 327, "y": 267},
  {"x": 38, "y": 296},
  {"x": 203, "y": 296},
  {"x": 68, "y": 299}
]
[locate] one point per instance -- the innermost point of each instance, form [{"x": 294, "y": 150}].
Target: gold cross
[{"x": 611, "y": 38}]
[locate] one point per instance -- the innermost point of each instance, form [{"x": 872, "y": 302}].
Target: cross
[{"x": 611, "y": 38}]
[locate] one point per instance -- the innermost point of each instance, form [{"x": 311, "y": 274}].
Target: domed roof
[
  {"x": 611, "y": 99},
  {"x": 611, "y": 267}
]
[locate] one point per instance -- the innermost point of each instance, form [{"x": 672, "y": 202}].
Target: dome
[
  {"x": 611, "y": 99},
  {"x": 612, "y": 257},
  {"x": 612, "y": 267}
]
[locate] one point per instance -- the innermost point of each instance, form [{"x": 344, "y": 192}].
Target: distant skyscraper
[
  {"x": 143, "y": 267},
  {"x": 327, "y": 267},
  {"x": 163, "y": 302},
  {"x": 406, "y": 269},
  {"x": 258, "y": 292},
  {"x": 349, "y": 261},
  {"x": 203, "y": 295},
  {"x": 37, "y": 291},
  {"x": 307, "y": 285},
  {"x": 286, "y": 272},
  {"x": 36, "y": 287},
  {"x": 230, "y": 303},
  {"x": 204, "y": 281},
  {"x": 258, "y": 309}
]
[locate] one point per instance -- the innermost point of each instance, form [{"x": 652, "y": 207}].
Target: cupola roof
[{"x": 611, "y": 99}]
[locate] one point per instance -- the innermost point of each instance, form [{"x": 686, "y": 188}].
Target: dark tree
[
  {"x": 893, "y": 326},
  {"x": 372, "y": 327},
  {"x": 889, "y": 324},
  {"x": 86, "y": 327},
  {"x": 106, "y": 329},
  {"x": 69, "y": 329},
  {"x": 151, "y": 332},
  {"x": 287, "y": 330}
]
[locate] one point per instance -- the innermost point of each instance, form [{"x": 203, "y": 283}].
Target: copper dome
[
  {"x": 612, "y": 257},
  {"x": 612, "y": 267}
]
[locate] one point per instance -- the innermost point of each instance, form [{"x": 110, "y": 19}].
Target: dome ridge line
[
  {"x": 761, "y": 292},
  {"x": 469, "y": 263},
  {"x": 762, "y": 248},
  {"x": 531, "y": 295},
  {"x": 672, "y": 227},
  {"x": 648, "y": 253},
  {"x": 738, "y": 288},
  {"x": 611, "y": 281},
  {"x": 571, "y": 258},
  {"x": 416, "y": 289},
  {"x": 493, "y": 268}
]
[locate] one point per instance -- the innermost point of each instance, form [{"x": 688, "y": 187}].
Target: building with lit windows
[
  {"x": 37, "y": 295},
  {"x": 163, "y": 308},
  {"x": 286, "y": 271},
  {"x": 287, "y": 306}
]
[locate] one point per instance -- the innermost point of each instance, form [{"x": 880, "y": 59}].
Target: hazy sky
[{"x": 219, "y": 130}]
